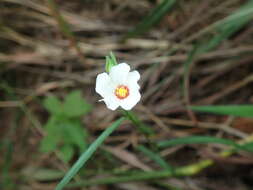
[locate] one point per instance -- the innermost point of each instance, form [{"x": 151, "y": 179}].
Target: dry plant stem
[
  {"x": 8, "y": 33},
  {"x": 58, "y": 74},
  {"x": 206, "y": 125},
  {"x": 189, "y": 170},
  {"x": 189, "y": 64},
  {"x": 205, "y": 56},
  {"x": 156, "y": 119},
  {"x": 215, "y": 24},
  {"x": 202, "y": 18},
  {"x": 65, "y": 28},
  {"x": 6, "y": 104},
  {"x": 36, "y": 58},
  {"x": 45, "y": 88},
  {"x": 213, "y": 98},
  {"x": 194, "y": 19},
  {"x": 188, "y": 101}
]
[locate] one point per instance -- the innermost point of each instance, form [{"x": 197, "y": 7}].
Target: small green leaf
[
  {"x": 52, "y": 126},
  {"x": 48, "y": 144},
  {"x": 75, "y": 105},
  {"x": 87, "y": 154},
  {"x": 66, "y": 152},
  {"x": 235, "y": 110},
  {"x": 75, "y": 134},
  {"x": 53, "y": 105},
  {"x": 113, "y": 58},
  {"x": 110, "y": 62}
]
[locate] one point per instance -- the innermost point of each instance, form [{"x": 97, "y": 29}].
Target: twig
[
  {"x": 206, "y": 125},
  {"x": 213, "y": 98},
  {"x": 65, "y": 29}
]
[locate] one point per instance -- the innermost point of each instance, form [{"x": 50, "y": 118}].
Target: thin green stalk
[
  {"x": 138, "y": 176},
  {"x": 156, "y": 157},
  {"x": 136, "y": 121},
  {"x": 7, "y": 156},
  {"x": 87, "y": 154},
  {"x": 142, "y": 127},
  {"x": 245, "y": 12},
  {"x": 141, "y": 176},
  {"x": 188, "y": 170}
]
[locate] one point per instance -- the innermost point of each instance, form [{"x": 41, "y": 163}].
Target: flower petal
[
  {"x": 119, "y": 73},
  {"x": 131, "y": 101},
  {"x": 111, "y": 102},
  {"x": 132, "y": 79},
  {"x": 103, "y": 85},
  {"x": 133, "y": 76}
]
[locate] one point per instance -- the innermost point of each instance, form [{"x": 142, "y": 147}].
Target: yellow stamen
[{"x": 122, "y": 92}]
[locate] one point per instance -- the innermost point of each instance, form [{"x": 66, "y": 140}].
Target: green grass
[
  {"x": 206, "y": 40},
  {"x": 87, "y": 154},
  {"x": 222, "y": 30},
  {"x": 6, "y": 147},
  {"x": 203, "y": 140},
  {"x": 234, "y": 110},
  {"x": 152, "y": 19},
  {"x": 155, "y": 157}
]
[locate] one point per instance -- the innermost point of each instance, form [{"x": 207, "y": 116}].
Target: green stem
[
  {"x": 155, "y": 156},
  {"x": 139, "y": 176},
  {"x": 188, "y": 170},
  {"x": 136, "y": 121},
  {"x": 143, "y": 128},
  {"x": 87, "y": 154}
]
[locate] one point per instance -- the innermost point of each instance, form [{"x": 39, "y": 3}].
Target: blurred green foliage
[
  {"x": 204, "y": 140},
  {"x": 234, "y": 110},
  {"x": 151, "y": 19},
  {"x": 64, "y": 128},
  {"x": 227, "y": 27}
]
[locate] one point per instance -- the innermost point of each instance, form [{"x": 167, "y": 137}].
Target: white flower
[{"x": 119, "y": 87}]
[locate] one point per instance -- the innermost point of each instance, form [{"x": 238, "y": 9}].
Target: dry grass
[{"x": 39, "y": 57}]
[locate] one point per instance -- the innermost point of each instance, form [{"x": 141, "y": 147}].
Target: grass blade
[
  {"x": 198, "y": 140},
  {"x": 234, "y": 110},
  {"x": 229, "y": 25},
  {"x": 5, "y": 167},
  {"x": 87, "y": 154},
  {"x": 141, "y": 126},
  {"x": 153, "y": 18},
  {"x": 155, "y": 156},
  {"x": 206, "y": 140},
  {"x": 138, "y": 176},
  {"x": 188, "y": 170}
]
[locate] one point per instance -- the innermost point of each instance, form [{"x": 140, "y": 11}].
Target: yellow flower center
[{"x": 121, "y": 92}]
